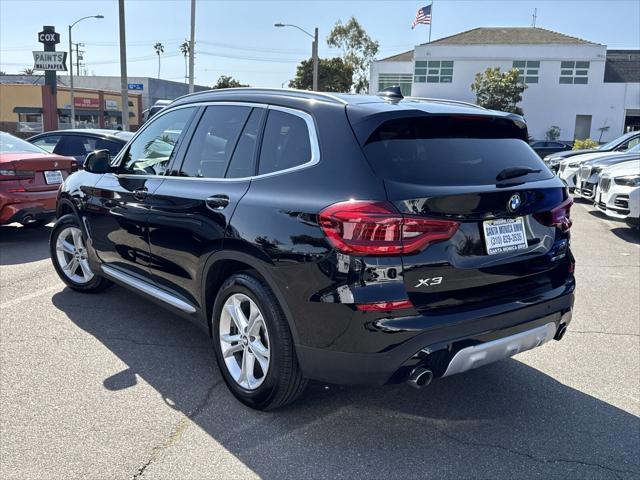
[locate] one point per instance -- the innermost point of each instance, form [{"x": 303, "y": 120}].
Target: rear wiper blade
[{"x": 513, "y": 172}]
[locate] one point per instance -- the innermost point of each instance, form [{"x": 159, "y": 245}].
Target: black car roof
[{"x": 369, "y": 104}]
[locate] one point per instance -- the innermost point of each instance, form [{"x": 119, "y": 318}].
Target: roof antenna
[
  {"x": 391, "y": 93},
  {"x": 534, "y": 17}
]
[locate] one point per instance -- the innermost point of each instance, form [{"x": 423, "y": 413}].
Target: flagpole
[{"x": 431, "y": 22}]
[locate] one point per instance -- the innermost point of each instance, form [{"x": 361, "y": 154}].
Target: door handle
[
  {"x": 140, "y": 193},
  {"x": 217, "y": 202}
]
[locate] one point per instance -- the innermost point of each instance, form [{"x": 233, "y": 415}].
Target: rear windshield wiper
[{"x": 513, "y": 172}]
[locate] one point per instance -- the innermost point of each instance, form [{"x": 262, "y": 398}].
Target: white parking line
[{"x": 24, "y": 298}]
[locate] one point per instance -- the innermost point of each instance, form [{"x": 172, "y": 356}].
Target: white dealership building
[{"x": 577, "y": 85}]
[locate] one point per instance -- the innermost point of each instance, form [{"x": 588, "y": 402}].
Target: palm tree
[
  {"x": 26, "y": 71},
  {"x": 184, "y": 48},
  {"x": 159, "y": 49}
]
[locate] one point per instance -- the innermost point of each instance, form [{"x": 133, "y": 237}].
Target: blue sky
[{"x": 238, "y": 38}]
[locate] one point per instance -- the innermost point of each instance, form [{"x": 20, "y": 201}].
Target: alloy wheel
[
  {"x": 244, "y": 341},
  {"x": 72, "y": 255}
]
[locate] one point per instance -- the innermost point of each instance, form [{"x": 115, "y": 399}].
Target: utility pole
[
  {"x": 315, "y": 60},
  {"x": 124, "y": 87},
  {"x": 79, "y": 56},
  {"x": 535, "y": 17},
  {"x": 192, "y": 41}
]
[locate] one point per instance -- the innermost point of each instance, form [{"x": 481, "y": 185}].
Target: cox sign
[{"x": 49, "y": 37}]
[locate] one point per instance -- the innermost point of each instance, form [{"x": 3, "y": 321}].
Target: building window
[
  {"x": 30, "y": 122},
  {"x": 434, "y": 71},
  {"x": 527, "y": 70},
  {"x": 574, "y": 72},
  {"x": 403, "y": 80}
]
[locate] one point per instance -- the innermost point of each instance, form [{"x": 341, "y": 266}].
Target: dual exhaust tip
[{"x": 420, "y": 377}]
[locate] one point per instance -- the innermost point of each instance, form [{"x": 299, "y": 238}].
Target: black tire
[
  {"x": 97, "y": 283},
  {"x": 283, "y": 382}
]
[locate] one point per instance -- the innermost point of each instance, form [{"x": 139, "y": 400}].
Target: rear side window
[
  {"x": 450, "y": 150},
  {"x": 75, "y": 145},
  {"x": 213, "y": 141},
  {"x": 47, "y": 143},
  {"x": 243, "y": 160},
  {"x": 285, "y": 143}
]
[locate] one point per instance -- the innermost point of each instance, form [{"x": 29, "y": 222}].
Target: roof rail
[
  {"x": 445, "y": 100},
  {"x": 284, "y": 91}
]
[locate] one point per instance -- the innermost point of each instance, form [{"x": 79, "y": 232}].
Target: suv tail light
[
  {"x": 377, "y": 228},
  {"x": 559, "y": 216}
]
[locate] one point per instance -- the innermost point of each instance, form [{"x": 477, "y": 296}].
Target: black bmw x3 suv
[{"x": 339, "y": 238}]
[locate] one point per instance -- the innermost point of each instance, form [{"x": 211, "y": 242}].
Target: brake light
[
  {"x": 384, "y": 306},
  {"x": 559, "y": 216},
  {"x": 377, "y": 228}
]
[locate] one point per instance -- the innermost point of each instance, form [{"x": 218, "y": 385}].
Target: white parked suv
[
  {"x": 568, "y": 169},
  {"x": 618, "y": 192}
]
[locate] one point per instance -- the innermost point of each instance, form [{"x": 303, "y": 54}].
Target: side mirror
[{"x": 98, "y": 161}]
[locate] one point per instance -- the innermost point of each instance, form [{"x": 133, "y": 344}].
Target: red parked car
[{"x": 29, "y": 181}]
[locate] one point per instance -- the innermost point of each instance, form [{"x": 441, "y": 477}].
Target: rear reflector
[
  {"x": 384, "y": 306},
  {"x": 377, "y": 228},
  {"x": 559, "y": 216}
]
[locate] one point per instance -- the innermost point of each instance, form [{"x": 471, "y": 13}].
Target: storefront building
[{"x": 29, "y": 109}]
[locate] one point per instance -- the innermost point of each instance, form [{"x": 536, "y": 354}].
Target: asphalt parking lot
[{"x": 112, "y": 386}]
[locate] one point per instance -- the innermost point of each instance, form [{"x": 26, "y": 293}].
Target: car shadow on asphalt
[
  {"x": 506, "y": 420},
  {"x": 20, "y": 244},
  {"x": 623, "y": 232}
]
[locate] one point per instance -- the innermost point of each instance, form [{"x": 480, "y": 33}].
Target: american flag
[{"x": 423, "y": 16}]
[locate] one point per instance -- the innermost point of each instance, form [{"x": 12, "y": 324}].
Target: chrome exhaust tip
[
  {"x": 562, "y": 329},
  {"x": 420, "y": 377}
]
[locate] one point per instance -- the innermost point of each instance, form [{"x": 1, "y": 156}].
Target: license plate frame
[
  {"x": 53, "y": 177},
  {"x": 504, "y": 235}
]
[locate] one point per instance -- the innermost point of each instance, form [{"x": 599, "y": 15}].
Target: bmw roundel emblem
[{"x": 514, "y": 202}]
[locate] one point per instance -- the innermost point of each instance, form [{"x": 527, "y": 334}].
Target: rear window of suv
[{"x": 450, "y": 150}]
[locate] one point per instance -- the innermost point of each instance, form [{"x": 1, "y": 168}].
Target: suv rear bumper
[{"x": 434, "y": 347}]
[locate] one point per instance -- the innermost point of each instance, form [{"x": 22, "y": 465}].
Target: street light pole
[
  {"x": 71, "y": 95},
  {"x": 314, "y": 50},
  {"x": 192, "y": 42},
  {"x": 315, "y": 60}
]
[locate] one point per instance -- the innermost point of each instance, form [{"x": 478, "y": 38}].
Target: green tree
[
  {"x": 27, "y": 71},
  {"x": 358, "y": 50},
  {"x": 499, "y": 91},
  {"x": 227, "y": 81},
  {"x": 334, "y": 75}
]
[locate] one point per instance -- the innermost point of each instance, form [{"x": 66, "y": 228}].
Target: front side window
[
  {"x": 285, "y": 143},
  {"x": 150, "y": 152},
  {"x": 527, "y": 70},
  {"x": 403, "y": 80},
  {"x": 47, "y": 143},
  {"x": 574, "y": 72},
  {"x": 213, "y": 141},
  {"x": 434, "y": 71}
]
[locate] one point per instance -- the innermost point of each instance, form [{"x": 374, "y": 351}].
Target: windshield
[
  {"x": 634, "y": 149},
  {"x": 447, "y": 151},
  {"x": 614, "y": 143},
  {"x": 11, "y": 144}
]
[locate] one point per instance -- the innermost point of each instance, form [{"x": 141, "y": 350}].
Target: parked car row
[
  {"x": 619, "y": 145},
  {"x": 609, "y": 176}
]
